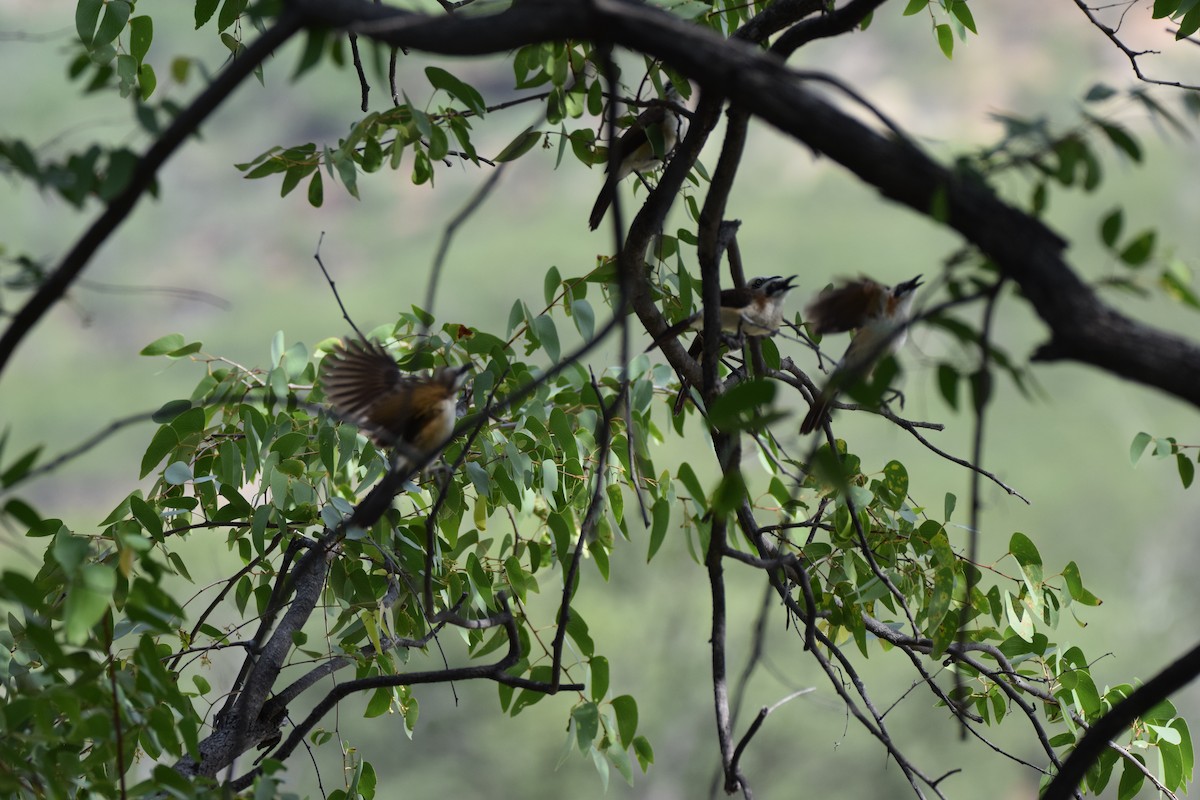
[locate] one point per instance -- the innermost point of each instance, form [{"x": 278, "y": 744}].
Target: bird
[
  {"x": 644, "y": 144},
  {"x": 879, "y": 316},
  {"x": 413, "y": 414},
  {"x": 755, "y": 309}
]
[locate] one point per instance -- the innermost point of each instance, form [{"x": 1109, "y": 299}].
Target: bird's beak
[
  {"x": 910, "y": 285},
  {"x": 787, "y": 284}
]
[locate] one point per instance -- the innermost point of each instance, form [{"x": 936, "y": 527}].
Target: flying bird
[
  {"x": 879, "y": 316},
  {"x": 414, "y": 414}
]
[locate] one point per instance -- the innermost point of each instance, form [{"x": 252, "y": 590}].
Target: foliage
[{"x": 346, "y": 564}]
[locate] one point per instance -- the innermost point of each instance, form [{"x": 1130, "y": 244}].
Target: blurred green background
[{"x": 1129, "y": 529}]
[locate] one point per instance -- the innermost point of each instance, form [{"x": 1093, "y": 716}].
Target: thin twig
[
  {"x": 982, "y": 395},
  {"x": 333, "y": 288}
]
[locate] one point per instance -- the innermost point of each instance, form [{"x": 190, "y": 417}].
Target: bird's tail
[
  {"x": 671, "y": 332},
  {"x": 603, "y": 201},
  {"x": 819, "y": 411},
  {"x": 685, "y": 388}
]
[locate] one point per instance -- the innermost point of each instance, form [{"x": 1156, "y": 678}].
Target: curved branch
[
  {"x": 1082, "y": 327},
  {"x": 1177, "y": 675}
]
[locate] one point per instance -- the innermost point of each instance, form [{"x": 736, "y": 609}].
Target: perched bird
[
  {"x": 879, "y": 315},
  {"x": 753, "y": 310},
  {"x": 644, "y": 144},
  {"x": 756, "y": 309},
  {"x": 413, "y": 414}
]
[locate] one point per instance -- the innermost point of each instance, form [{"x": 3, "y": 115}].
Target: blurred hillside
[{"x": 1128, "y": 529}]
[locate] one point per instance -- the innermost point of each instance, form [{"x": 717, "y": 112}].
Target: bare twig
[{"x": 333, "y": 288}]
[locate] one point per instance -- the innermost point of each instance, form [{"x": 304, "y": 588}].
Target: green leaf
[
  {"x": 547, "y": 334},
  {"x": 69, "y": 550},
  {"x": 644, "y": 752},
  {"x": 372, "y": 155},
  {"x": 230, "y": 11},
  {"x": 87, "y": 12},
  {"x": 577, "y": 629},
  {"x": 1138, "y": 252},
  {"x": 1176, "y": 282},
  {"x": 141, "y": 33},
  {"x": 584, "y": 316},
  {"x": 1099, "y": 92},
  {"x": 22, "y": 512},
  {"x": 519, "y": 146},
  {"x": 1189, "y": 24},
  {"x": 1131, "y": 780},
  {"x": 625, "y": 707},
  {"x": 1138, "y": 446},
  {"x": 1110, "y": 227},
  {"x": 551, "y": 284},
  {"x": 1122, "y": 140},
  {"x": 947, "y": 377},
  {"x": 730, "y": 492},
  {"x": 1075, "y": 586},
  {"x": 915, "y": 7},
  {"x": 316, "y": 190},
  {"x": 204, "y": 11},
  {"x": 1027, "y": 555},
  {"x": 147, "y": 81},
  {"x": 895, "y": 480},
  {"x": 87, "y": 599},
  {"x": 441, "y": 79},
  {"x": 945, "y": 39},
  {"x": 687, "y": 476},
  {"x": 599, "y": 665},
  {"x": 661, "y": 520},
  {"x": 1187, "y": 469},
  {"x": 163, "y": 345},
  {"x": 116, "y": 14},
  {"x": 1185, "y": 747},
  {"x": 163, "y": 442},
  {"x": 963, "y": 14},
  {"x": 18, "y": 469},
  {"x": 727, "y": 411},
  {"x": 950, "y": 503},
  {"x": 177, "y": 473},
  {"x": 587, "y": 724},
  {"x": 1164, "y": 8},
  {"x": 380, "y": 702}
]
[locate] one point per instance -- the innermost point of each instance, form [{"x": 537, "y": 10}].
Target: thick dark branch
[
  {"x": 495, "y": 671},
  {"x": 1174, "y": 677},
  {"x": 1082, "y": 327}
]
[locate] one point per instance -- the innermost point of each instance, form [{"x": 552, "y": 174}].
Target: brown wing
[
  {"x": 843, "y": 308},
  {"x": 356, "y": 375}
]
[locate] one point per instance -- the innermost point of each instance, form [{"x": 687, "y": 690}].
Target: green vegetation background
[{"x": 1132, "y": 531}]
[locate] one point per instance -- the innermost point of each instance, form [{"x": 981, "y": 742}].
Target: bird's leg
[{"x": 732, "y": 341}]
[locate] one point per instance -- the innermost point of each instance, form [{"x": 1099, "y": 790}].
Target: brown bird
[
  {"x": 756, "y": 309},
  {"x": 644, "y": 144},
  {"x": 879, "y": 316},
  {"x": 414, "y": 414}
]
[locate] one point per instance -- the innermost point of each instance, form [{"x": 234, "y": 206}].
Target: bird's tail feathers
[
  {"x": 671, "y": 332},
  {"x": 818, "y": 412},
  {"x": 603, "y": 201}
]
